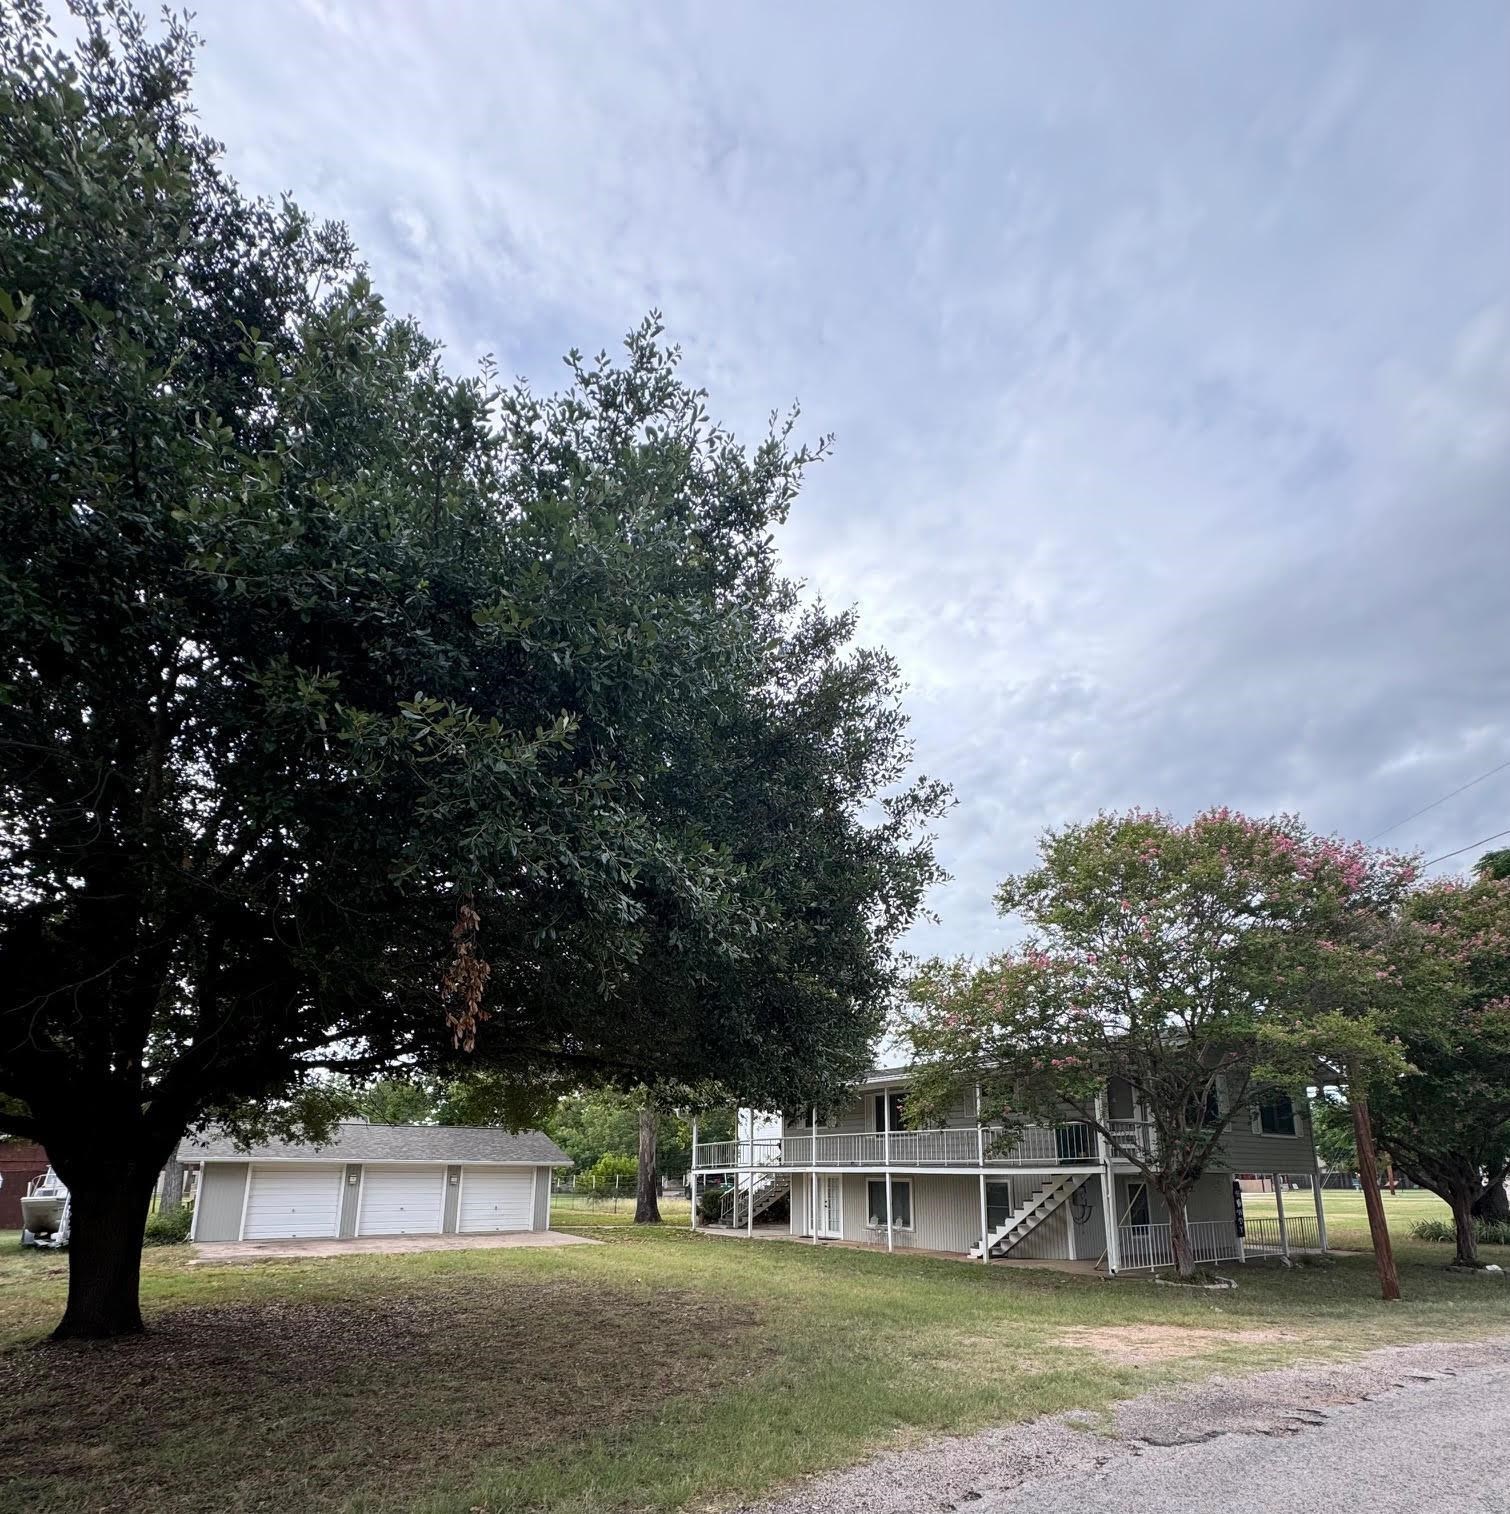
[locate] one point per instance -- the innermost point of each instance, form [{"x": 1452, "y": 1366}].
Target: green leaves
[
  {"x": 305, "y": 639},
  {"x": 1192, "y": 963}
]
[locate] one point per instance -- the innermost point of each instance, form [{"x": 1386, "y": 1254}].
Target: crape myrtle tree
[
  {"x": 1446, "y": 1118},
  {"x": 1168, "y": 956},
  {"x": 344, "y": 702}
]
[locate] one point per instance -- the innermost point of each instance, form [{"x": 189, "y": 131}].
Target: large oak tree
[{"x": 354, "y": 715}]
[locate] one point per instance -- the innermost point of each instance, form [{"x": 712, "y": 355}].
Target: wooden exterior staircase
[
  {"x": 1047, "y": 1198},
  {"x": 734, "y": 1211}
]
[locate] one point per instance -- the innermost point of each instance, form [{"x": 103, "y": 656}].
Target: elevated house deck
[{"x": 975, "y": 1187}]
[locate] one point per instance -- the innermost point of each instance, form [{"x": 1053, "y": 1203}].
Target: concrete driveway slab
[{"x": 370, "y": 1245}]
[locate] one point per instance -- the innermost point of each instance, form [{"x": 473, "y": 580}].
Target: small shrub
[
  {"x": 710, "y": 1203},
  {"x": 1432, "y": 1230},
  {"x": 1490, "y": 1232},
  {"x": 168, "y": 1228}
]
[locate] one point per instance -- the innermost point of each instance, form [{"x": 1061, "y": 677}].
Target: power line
[
  {"x": 1445, "y": 855},
  {"x": 1435, "y": 802}
]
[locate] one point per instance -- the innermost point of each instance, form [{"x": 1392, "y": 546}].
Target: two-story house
[{"x": 1059, "y": 1192}]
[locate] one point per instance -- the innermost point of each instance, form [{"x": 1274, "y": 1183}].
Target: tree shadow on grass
[{"x": 283, "y": 1403}]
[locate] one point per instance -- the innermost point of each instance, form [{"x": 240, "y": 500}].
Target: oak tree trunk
[
  {"x": 110, "y": 1199},
  {"x": 1368, "y": 1175},
  {"x": 647, "y": 1209}
]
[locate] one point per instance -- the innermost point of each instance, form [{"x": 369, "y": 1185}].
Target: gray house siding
[
  {"x": 452, "y": 1201},
  {"x": 218, "y": 1207},
  {"x": 350, "y": 1192},
  {"x": 542, "y": 1219},
  {"x": 1090, "y": 1232},
  {"x": 1210, "y": 1199},
  {"x": 1247, "y": 1150},
  {"x": 945, "y": 1212},
  {"x": 858, "y": 1115},
  {"x": 1049, "y": 1240}
]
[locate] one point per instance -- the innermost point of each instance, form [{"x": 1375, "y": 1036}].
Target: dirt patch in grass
[
  {"x": 281, "y": 1403},
  {"x": 1142, "y": 1345}
]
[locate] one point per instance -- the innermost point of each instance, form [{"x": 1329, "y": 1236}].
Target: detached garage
[{"x": 374, "y": 1180}]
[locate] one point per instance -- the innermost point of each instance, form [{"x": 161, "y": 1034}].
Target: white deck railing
[
  {"x": 1263, "y": 1236},
  {"x": 1134, "y": 1137},
  {"x": 1029, "y": 1146},
  {"x": 1148, "y": 1245}
]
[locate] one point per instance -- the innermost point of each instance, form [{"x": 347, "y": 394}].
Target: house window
[
  {"x": 878, "y": 1109},
  {"x": 1276, "y": 1115},
  {"x": 901, "y": 1198},
  {"x": 998, "y": 1202},
  {"x": 1119, "y": 1100},
  {"x": 1203, "y": 1112},
  {"x": 1137, "y": 1204}
]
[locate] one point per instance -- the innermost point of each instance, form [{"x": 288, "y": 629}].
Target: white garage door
[
  {"x": 497, "y": 1198},
  {"x": 401, "y": 1200},
  {"x": 289, "y": 1200}
]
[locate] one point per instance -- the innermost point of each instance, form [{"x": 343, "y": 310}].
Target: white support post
[
  {"x": 692, "y": 1176},
  {"x": 886, "y": 1143},
  {"x": 813, "y": 1217},
  {"x": 750, "y": 1198},
  {"x": 1109, "y": 1211},
  {"x": 1279, "y": 1209},
  {"x": 985, "y": 1250},
  {"x": 1108, "y": 1189},
  {"x": 980, "y": 1156}
]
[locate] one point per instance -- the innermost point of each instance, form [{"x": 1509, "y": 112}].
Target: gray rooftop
[{"x": 357, "y": 1141}]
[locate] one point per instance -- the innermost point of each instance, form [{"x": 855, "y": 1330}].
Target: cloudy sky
[{"x": 1167, "y": 347}]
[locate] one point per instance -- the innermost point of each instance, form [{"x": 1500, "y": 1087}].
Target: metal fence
[
  {"x": 1144, "y": 1246},
  {"x": 589, "y": 1199},
  {"x": 1261, "y": 1236}
]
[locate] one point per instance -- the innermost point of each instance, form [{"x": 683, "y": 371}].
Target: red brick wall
[{"x": 20, "y": 1162}]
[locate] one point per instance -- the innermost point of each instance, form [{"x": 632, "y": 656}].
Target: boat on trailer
[{"x": 46, "y": 1212}]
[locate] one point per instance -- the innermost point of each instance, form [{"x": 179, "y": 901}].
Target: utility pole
[{"x": 1368, "y": 1174}]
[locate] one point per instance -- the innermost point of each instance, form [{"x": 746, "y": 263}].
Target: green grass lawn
[
  {"x": 654, "y": 1371},
  {"x": 570, "y": 1211},
  {"x": 1346, "y": 1217}
]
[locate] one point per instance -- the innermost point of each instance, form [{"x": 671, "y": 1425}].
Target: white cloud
[{"x": 1166, "y": 348}]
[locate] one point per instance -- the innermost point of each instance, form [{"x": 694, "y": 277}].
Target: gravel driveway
[{"x": 1397, "y": 1431}]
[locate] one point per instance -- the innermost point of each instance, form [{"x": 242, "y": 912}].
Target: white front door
[
  {"x": 831, "y": 1207},
  {"x": 401, "y": 1200}
]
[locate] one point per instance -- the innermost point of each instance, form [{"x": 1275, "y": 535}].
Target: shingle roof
[{"x": 356, "y": 1141}]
